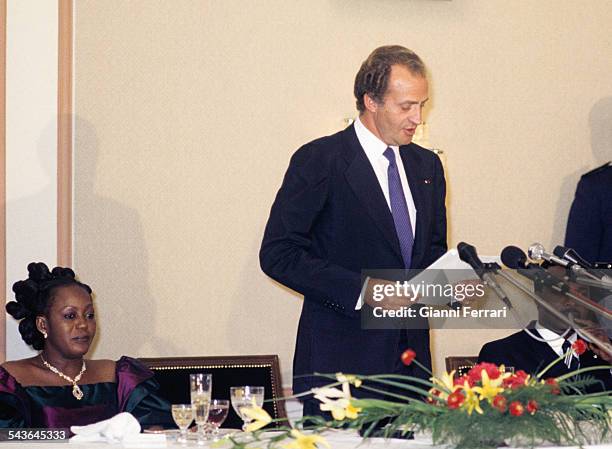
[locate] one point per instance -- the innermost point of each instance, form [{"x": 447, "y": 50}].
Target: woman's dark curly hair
[{"x": 33, "y": 297}]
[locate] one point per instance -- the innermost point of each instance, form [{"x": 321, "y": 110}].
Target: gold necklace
[{"x": 76, "y": 391}]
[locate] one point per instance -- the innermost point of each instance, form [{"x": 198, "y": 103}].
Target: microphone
[
  {"x": 571, "y": 255},
  {"x": 515, "y": 258},
  {"x": 586, "y": 268},
  {"x": 468, "y": 254},
  {"x": 537, "y": 252}
]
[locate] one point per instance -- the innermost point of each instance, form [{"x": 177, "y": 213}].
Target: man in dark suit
[
  {"x": 589, "y": 225},
  {"x": 365, "y": 198},
  {"x": 546, "y": 339}
]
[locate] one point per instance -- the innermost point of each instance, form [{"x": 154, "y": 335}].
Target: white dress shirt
[
  {"x": 374, "y": 149},
  {"x": 554, "y": 340}
]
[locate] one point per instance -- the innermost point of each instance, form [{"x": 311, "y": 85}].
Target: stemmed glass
[
  {"x": 182, "y": 415},
  {"x": 244, "y": 397},
  {"x": 201, "y": 387},
  {"x": 216, "y": 415}
]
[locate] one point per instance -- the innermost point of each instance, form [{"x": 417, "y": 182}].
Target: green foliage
[{"x": 528, "y": 411}]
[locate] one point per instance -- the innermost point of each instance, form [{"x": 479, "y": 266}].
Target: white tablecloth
[{"x": 337, "y": 440}]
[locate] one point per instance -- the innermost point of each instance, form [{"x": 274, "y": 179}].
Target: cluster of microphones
[
  {"x": 578, "y": 269},
  {"x": 533, "y": 266}
]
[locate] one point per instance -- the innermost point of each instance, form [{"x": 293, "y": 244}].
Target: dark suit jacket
[
  {"x": 589, "y": 225},
  {"x": 329, "y": 221},
  {"x": 523, "y": 352}
]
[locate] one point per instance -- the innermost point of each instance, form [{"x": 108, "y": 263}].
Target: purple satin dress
[{"x": 55, "y": 407}]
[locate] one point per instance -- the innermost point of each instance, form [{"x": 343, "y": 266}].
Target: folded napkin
[{"x": 121, "y": 428}]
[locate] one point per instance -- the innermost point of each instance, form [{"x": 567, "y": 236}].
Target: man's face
[{"x": 394, "y": 121}]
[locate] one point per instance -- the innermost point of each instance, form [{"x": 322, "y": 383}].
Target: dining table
[{"x": 337, "y": 439}]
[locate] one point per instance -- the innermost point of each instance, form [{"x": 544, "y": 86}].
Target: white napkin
[{"x": 122, "y": 428}]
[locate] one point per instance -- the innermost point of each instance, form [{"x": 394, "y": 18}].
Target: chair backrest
[
  {"x": 172, "y": 374},
  {"x": 460, "y": 363}
]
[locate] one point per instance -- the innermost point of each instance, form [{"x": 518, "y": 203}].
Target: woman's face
[{"x": 70, "y": 322}]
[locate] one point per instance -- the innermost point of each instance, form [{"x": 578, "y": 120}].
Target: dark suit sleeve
[
  {"x": 438, "y": 234},
  {"x": 286, "y": 253},
  {"x": 584, "y": 226},
  {"x": 489, "y": 354}
]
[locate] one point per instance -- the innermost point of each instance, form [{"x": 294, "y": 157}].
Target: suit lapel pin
[{"x": 427, "y": 181}]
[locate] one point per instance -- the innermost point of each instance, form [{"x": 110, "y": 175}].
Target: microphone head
[
  {"x": 462, "y": 247},
  {"x": 514, "y": 257},
  {"x": 560, "y": 251},
  {"x": 468, "y": 254},
  {"x": 466, "y": 251},
  {"x": 536, "y": 252},
  {"x": 571, "y": 255}
]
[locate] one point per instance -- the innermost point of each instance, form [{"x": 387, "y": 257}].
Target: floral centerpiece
[{"x": 483, "y": 408}]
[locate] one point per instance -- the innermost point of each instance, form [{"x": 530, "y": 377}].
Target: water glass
[
  {"x": 217, "y": 413},
  {"x": 244, "y": 397},
  {"x": 183, "y": 416},
  {"x": 201, "y": 388}
]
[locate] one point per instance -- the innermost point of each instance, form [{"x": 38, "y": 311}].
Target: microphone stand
[
  {"x": 564, "y": 288},
  {"x": 493, "y": 268},
  {"x": 590, "y": 282},
  {"x": 605, "y": 346}
]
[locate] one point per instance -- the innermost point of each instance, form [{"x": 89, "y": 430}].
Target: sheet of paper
[{"x": 455, "y": 270}]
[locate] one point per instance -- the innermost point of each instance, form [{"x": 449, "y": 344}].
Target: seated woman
[{"x": 59, "y": 387}]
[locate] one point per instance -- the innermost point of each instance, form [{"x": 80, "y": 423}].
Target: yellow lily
[
  {"x": 305, "y": 441},
  {"x": 447, "y": 384},
  {"x": 351, "y": 411},
  {"x": 490, "y": 388},
  {"x": 347, "y": 379},
  {"x": 340, "y": 409},
  {"x": 336, "y": 401},
  {"x": 260, "y": 417},
  {"x": 327, "y": 393},
  {"x": 471, "y": 401}
]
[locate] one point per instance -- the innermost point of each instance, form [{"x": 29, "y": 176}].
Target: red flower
[
  {"x": 517, "y": 380},
  {"x": 455, "y": 399},
  {"x": 579, "y": 346},
  {"x": 408, "y": 356},
  {"x": 516, "y": 408},
  {"x": 532, "y": 406},
  {"x": 475, "y": 374},
  {"x": 430, "y": 399},
  {"x": 500, "y": 403},
  {"x": 462, "y": 380},
  {"x": 554, "y": 386}
]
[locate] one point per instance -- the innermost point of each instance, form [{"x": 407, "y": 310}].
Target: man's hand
[
  {"x": 471, "y": 293},
  {"x": 390, "y": 295}
]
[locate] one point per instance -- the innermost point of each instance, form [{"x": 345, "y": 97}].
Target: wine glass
[
  {"x": 182, "y": 415},
  {"x": 244, "y": 397},
  {"x": 217, "y": 413},
  {"x": 201, "y": 387}
]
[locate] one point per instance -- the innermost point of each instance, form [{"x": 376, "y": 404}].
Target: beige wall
[
  {"x": 188, "y": 112},
  {"x": 31, "y": 147}
]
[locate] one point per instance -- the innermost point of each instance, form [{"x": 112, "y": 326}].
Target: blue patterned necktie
[{"x": 399, "y": 209}]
